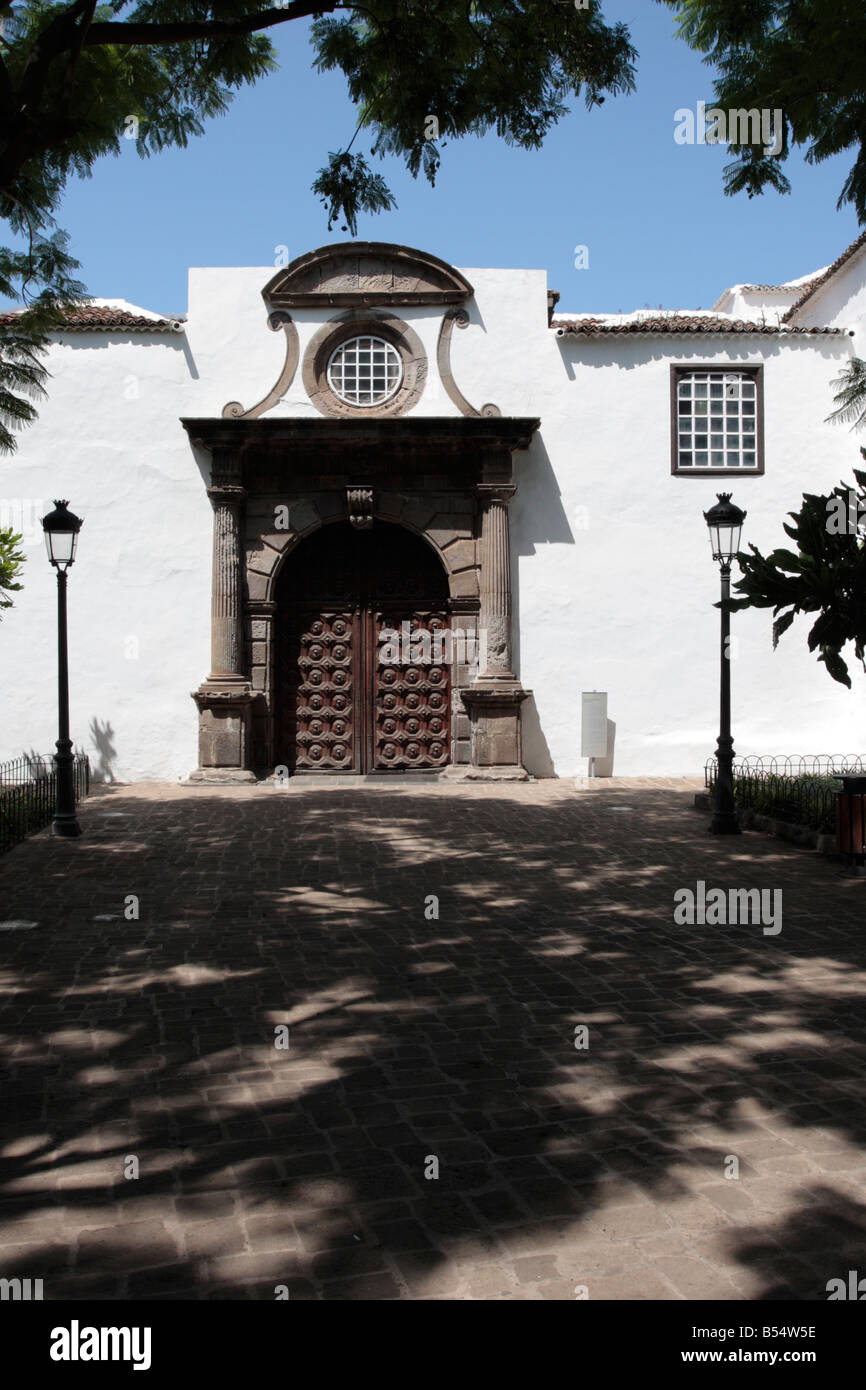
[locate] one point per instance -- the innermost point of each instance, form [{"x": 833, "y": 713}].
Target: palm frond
[{"x": 850, "y": 397}]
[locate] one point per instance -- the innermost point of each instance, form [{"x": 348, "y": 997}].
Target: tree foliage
[
  {"x": 11, "y": 562},
  {"x": 825, "y": 575},
  {"x": 80, "y": 78},
  {"x": 850, "y": 398},
  {"x": 42, "y": 278},
  {"x": 806, "y": 58}
]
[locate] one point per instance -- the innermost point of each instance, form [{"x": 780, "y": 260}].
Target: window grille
[
  {"x": 717, "y": 424},
  {"x": 365, "y": 371}
]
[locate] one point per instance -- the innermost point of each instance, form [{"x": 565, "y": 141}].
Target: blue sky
[{"x": 657, "y": 225}]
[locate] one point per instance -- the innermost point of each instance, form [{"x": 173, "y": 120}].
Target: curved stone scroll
[
  {"x": 446, "y": 376},
  {"x": 279, "y": 319}
]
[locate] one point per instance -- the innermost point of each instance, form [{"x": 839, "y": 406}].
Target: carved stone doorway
[
  {"x": 274, "y": 484},
  {"x": 361, "y": 652}
]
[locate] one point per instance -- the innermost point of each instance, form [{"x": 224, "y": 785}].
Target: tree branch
[
  {"x": 65, "y": 35},
  {"x": 75, "y": 53},
  {"x": 109, "y": 32},
  {"x": 7, "y": 91},
  {"x": 55, "y": 39}
]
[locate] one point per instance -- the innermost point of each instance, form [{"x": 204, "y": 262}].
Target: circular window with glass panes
[{"x": 365, "y": 371}]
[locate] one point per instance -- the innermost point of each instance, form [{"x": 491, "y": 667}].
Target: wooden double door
[{"x": 360, "y": 687}]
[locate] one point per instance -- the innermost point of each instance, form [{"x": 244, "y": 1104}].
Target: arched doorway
[{"x": 362, "y": 667}]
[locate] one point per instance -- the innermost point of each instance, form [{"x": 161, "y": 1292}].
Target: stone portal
[{"x": 429, "y": 499}]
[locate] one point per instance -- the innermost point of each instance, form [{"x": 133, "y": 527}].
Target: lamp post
[
  {"x": 725, "y": 522},
  {"x": 61, "y": 529}
]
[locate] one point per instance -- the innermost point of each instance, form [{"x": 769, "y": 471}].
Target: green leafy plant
[
  {"x": 11, "y": 562},
  {"x": 850, "y": 399},
  {"x": 826, "y": 575}
]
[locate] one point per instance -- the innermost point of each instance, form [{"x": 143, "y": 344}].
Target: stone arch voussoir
[{"x": 452, "y": 552}]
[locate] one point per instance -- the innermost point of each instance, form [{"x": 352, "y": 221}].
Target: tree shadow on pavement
[{"x": 149, "y": 1045}]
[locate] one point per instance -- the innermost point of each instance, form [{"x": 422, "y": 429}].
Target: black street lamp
[
  {"x": 725, "y": 522},
  {"x": 61, "y": 529}
]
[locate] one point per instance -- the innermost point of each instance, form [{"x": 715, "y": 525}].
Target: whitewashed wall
[
  {"x": 614, "y": 583},
  {"x": 108, "y": 439},
  {"x": 616, "y": 592}
]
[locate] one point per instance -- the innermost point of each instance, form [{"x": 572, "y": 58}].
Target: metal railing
[
  {"x": 28, "y": 791},
  {"x": 801, "y": 789}
]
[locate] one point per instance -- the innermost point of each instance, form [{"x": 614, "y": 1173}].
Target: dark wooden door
[
  {"x": 321, "y": 655},
  {"x": 412, "y": 698},
  {"x": 344, "y": 703}
]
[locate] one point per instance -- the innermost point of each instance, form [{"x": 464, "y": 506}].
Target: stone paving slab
[{"x": 428, "y": 952}]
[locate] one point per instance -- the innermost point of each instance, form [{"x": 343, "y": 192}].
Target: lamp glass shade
[
  {"x": 725, "y": 525},
  {"x": 61, "y": 529}
]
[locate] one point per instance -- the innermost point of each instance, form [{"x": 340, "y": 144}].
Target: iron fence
[
  {"x": 28, "y": 792},
  {"x": 797, "y": 788}
]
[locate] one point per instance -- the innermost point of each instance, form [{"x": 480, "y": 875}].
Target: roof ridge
[{"x": 821, "y": 280}]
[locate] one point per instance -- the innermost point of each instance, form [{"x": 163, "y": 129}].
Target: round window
[{"x": 365, "y": 371}]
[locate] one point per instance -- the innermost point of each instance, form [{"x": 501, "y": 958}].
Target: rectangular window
[{"x": 717, "y": 420}]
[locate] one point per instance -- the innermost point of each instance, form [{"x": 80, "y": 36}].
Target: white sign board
[{"x": 593, "y": 724}]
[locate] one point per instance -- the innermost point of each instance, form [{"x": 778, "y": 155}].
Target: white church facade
[{"x": 373, "y": 513}]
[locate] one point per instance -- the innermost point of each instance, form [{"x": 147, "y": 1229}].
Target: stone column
[
  {"x": 226, "y": 630},
  {"x": 494, "y": 698},
  {"x": 496, "y": 581},
  {"x": 224, "y": 698}
]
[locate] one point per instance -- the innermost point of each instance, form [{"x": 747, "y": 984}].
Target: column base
[
  {"x": 495, "y": 743},
  {"x": 224, "y": 730}
]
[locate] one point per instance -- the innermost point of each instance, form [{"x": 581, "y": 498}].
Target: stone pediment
[{"x": 356, "y": 273}]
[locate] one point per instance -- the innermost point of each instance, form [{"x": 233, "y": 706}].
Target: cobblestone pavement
[{"x": 150, "y": 1043}]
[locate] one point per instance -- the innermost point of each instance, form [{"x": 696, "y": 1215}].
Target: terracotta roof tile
[
  {"x": 820, "y": 280},
  {"x": 677, "y": 323},
  {"x": 96, "y": 316}
]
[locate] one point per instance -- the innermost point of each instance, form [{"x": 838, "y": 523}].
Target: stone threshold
[{"x": 356, "y": 779}]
